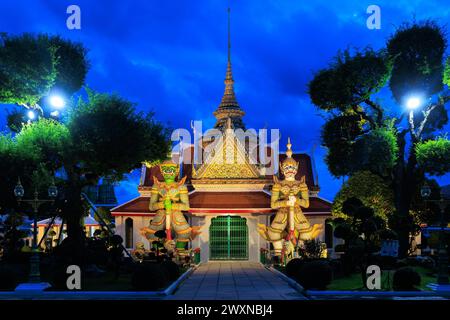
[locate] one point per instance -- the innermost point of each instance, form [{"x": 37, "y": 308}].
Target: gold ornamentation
[
  {"x": 229, "y": 161},
  {"x": 288, "y": 196}
]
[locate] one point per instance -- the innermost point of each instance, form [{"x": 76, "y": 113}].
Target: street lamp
[
  {"x": 19, "y": 192},
  {"x": 57, "y": 101},
  {"x": 442, "y": 277},
  {"x": 413, "y": 102}
]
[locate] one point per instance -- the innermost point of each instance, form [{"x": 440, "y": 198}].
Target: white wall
[{"x": 138, "y": 224}]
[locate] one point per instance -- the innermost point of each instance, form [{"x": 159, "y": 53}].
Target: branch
[
  {"x": 35, "y": 107},
  {"x": 411, "y": 125},
  {"x": 365, "y": 116},
  {"x": 441, "y": 102},
  {"x": 377, "y": 108}
]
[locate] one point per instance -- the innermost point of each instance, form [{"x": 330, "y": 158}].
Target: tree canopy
[
  {"x": 27, "y": 68},
  {"x": 418, "y": 50},
  {"x": 31, "y": 66},
  {"x": 363, "y": 133},
  {"x": 371, "y": 190}
]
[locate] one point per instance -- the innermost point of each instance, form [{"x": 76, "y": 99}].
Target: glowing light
[
  {"x": 57, "y": 101},
  {"x": 31, "y": 115},
  {"x": 413, "y": 102},
  {"x": 54, "y": 113}
]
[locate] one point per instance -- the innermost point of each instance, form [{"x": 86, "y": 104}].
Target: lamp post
[
  {"x": 442, "y": 277},
  {"x": 19, "y": 192}
]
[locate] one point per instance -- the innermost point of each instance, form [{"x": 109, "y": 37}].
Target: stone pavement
[{"x": 235, "y": 280}]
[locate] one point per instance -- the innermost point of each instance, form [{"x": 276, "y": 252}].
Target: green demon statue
[
  {"x": 169, "y": 199},
  {"x": 288, "y": 196}
]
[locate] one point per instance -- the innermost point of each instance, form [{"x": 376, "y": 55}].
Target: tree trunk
[
  {"x": 405, "y": 184},
  {"x": 73, "y": 213}
]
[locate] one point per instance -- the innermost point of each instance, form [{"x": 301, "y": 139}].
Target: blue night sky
[{"x": 170, "y": 56}]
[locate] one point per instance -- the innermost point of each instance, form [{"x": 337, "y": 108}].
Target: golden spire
[
  {"x": 289, "y": 161},
  {"x": 229, "y": 39},
  {"x": 229, "y": 107},
  {"x": 289, "y": 150}
]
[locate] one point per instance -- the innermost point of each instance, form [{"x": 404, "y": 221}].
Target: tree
[
  {"x": 27, "y": 69},
  {"x": 362, "y": 231},
  {"x": 32, "y": 66},
  {"x": 72, "y": 66},
  {"x": 360, "y": 132},
  {"x": 104, "y": 136},
  {"x": 371, "y": 189}
]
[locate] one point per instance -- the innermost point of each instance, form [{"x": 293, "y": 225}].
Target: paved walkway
[{"x": 235, "y": 281}]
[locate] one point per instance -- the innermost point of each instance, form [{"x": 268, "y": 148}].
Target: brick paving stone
[{"x": 234, "y": 280}]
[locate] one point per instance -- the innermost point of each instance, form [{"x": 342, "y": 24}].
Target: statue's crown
[
  {"x": 289, "y": 161},
  {"x": 168, "y": 163}
]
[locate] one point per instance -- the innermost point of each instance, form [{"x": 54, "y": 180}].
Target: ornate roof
[
  {"x": 228, "y": 160},
  {"x": 305, "y": 168},
  {"x": 222, "y": 202}
]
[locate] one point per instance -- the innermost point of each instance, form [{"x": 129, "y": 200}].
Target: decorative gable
[{"x": 227, "y": 160}]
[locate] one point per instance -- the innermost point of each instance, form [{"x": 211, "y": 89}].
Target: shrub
[
  {"x": 58, "y": 278},
  {"x": 293, "y": 266},
  {"x": 172, "y": 270},
  {"x": 406, "y": 279},
  {"x": 314, "y": 275},
  {"x": 311, "y": 249},
  {"x": 8, "y": 279},
  {"x": 149, "y": 276}
]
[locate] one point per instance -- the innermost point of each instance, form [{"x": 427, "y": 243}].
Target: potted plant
[
  {"x": 197, "y": 255},
  {"x": 263, "y": 255}
]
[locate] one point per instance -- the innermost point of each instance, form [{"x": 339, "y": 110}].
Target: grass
[
  {"x": 107, "y": 282},
  {"x": 354, "y": 281}
]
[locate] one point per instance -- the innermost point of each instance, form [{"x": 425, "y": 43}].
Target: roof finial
[
  {"x": 289, "y": 150},
  {"x": 229, "y": 35},
  {"x": 229, "y": 107}
]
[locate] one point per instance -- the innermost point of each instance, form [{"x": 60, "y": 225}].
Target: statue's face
[
  {"x": 170, "y": 245},
  {"x": 169, "y": 172},
  {"x": 289, "y": 171}
]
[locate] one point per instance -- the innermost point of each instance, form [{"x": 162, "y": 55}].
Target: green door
[{"x": 228, "y": 238}]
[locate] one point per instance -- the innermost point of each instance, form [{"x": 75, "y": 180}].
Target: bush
[
  {"x": 8, "y": 279},
  {"x": 172, "y": 270},
  {"x": 149, "y": 277},
  {"x": 58, "y": 278},
  {"x": 314, "y": 275},
  {"x": 385, "y": 262},
  {"x": 406, "y": 279},
  {"x": 293, "y": 266},
  {"x": 401, "y": 264},
  {"x": 421, "y": 261}
]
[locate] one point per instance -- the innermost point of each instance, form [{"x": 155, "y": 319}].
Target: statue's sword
[
  {"x": 291, "y": 235},
  {"x": 168, "y": 222}
]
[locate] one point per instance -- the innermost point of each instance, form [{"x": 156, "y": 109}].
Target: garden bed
[
  {"x": 106, "y": 281},
  {"x": 353, "y": 282}
]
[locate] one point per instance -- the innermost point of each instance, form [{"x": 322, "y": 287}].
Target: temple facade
[{"x": 227, "y": 199}]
